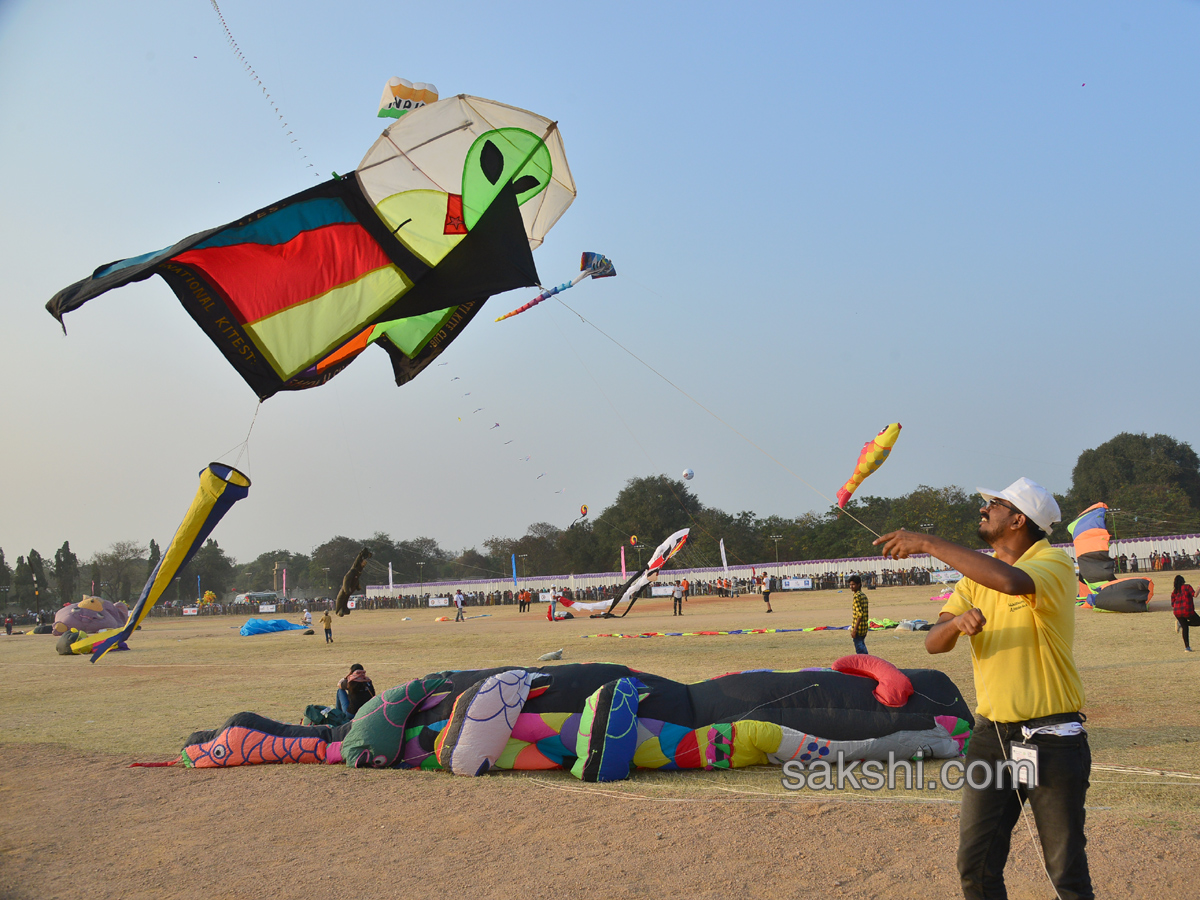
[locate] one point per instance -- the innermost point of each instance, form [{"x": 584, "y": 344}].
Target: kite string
[
  {"x": 732, "y": 428},
  {"x": 237, "y": 51},
  {"x": 243, "y": 448},
  {"x": 632, "y": 433}
]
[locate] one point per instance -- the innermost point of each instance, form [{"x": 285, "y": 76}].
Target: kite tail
[{"x": 843, "y": 496}]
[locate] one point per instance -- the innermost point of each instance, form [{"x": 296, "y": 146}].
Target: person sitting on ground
[{"x": 354, "y": 690}]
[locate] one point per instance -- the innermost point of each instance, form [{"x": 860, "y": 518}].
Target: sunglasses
[{"x": 996, "y": 501}]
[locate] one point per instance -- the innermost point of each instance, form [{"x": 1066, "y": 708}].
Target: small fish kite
[
  {"x": 591, "y": 265},
  {"x": 497, "y": 425},
  {"x": 583, "y": 510},
  {"x": 874, "y": 452}
]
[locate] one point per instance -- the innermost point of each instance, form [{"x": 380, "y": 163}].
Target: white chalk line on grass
[
  {"x": 766, "y": 798},
  {"x": 1138, "y": 770}
]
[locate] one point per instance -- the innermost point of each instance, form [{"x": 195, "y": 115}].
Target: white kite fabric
[{"x": 424, "y": 151}]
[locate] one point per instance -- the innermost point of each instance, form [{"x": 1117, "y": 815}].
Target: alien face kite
[
  {"x": 874, "y": 452},
  {"x": 442, "y": 212}
]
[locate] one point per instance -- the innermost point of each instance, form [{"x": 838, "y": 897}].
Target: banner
[
  {"x": 352, "y": 604},
  {"x": 514, "y": 572},
  {"x": 797, "y": 584},
  {"x": 544, "y": 596},
  {"x": 266, "y": 607},
  {"x": 724, "y": 561},
  {"x": 191, "y": 610},
  {"x": 948, "y": 577},
  {"x": 662, "y": 590},
  {"x": 623, "y": 575},
  {"x": 439, "y": 601}
]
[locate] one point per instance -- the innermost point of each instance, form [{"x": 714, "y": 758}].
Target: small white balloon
[{"x": 687, "y": 474}]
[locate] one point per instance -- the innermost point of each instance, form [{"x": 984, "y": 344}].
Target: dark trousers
[
  {"x": 860, "y": 645},
  {"x": 988, "y": 815},
  {"x": 1184, "y": 622},
  {"x": 328, "y": 636},
  {"x": 678, "y": 607}
]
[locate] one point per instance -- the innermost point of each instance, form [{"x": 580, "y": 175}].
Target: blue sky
[{"x": 980, "y": 221}]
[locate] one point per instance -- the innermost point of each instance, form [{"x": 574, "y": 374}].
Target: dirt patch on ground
[{"x": 75, "y": 819}]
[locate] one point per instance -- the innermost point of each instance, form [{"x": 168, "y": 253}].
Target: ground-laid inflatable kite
[
  {"x": 89, "y": 615},
  {"x": 269, "y": 626},
  {"x": 874, "y": 452},
  {"x": 1099, "y": 587},
  {"x": 601, "y": 721},
  {"x": 443, "y": 212},
  {"x": 220, "y": 487}
]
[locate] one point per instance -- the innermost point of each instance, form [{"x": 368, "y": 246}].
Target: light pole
[
  {"x": 326, "y": 568},
  {"x": 521, "y": 557},
  {"x": 421, "y": 580},
  {"x": 776, "y": 538},
  {"x": 638, "y": 548}
]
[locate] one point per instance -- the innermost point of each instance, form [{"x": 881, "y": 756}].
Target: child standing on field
[
  {"x": 327, "y": 624},
  {"x": 858, "y": 615}
]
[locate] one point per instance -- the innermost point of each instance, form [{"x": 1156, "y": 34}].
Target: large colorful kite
[
  {"x": 443, "y": 212},
  {"x": 874, "y": 452},
  {"x": 601, "y": 721}
]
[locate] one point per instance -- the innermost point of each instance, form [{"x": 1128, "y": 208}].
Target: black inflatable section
[
  {"x": 1096, "y": 567},
  {"x": 1127, "y": 595},
  {"x": 269, "y": 726},
  {"x": 831, "y": 704}
]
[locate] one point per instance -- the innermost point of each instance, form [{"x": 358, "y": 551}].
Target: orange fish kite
[{"x": 874, "y": 452}]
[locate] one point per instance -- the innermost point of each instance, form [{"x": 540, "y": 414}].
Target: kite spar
[{"x": 591, "y": 265}]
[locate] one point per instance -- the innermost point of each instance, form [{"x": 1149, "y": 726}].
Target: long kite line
[
  {"x": 732, "y": 428},
  {"x": 237, "y": 51}
]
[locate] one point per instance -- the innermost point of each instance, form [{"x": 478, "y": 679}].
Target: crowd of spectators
[
  {"x": 720, "y": 587},
  {"x": 1158, "y": 562}
]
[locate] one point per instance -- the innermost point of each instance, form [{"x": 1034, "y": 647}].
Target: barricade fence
[{"x": 1133, "y": 555}]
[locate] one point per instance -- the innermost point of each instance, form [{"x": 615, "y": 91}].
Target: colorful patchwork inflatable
[{"x": 601, "y": 721}]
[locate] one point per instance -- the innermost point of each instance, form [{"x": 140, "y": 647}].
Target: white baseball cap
[{"x": 1037, "y": 503}]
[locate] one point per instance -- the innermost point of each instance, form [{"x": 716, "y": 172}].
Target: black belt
[{"x": 1056, "y": 719}]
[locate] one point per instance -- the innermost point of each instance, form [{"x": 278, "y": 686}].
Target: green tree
[
  {"x": 41, "y": 584},
  {"x": 5, "y": 579},
  {"x": 22, "y": 585},
  {"x": 1134, "y": 459},
  {"x": 155, "y": 558},
  {"x": 215, "y": 568},
  {"x": 66, "y": 573},
  {"x": 118, "y": 567}
]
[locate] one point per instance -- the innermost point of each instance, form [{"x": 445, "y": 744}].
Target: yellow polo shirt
[{"x": 1024, "y": 662}]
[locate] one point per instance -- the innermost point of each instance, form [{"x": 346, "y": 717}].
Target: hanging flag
[
  {"x": 622, "y": 560},
  {"x": 514, "y": 562},
  {"x": 724, "y": 561}
]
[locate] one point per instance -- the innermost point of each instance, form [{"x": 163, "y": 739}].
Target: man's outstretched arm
[{"x": 979, "y": 567}]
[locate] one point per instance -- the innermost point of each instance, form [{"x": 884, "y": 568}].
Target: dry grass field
[{"x": 75, "y": 819}]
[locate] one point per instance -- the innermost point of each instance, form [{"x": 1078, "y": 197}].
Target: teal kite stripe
[{"x": 285, "y": 224}]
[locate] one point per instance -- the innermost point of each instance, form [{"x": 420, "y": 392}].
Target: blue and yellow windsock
[{"x": 221, "y": 486}]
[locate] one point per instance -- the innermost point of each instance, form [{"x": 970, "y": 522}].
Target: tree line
[{"x": 1151, "y": 484}]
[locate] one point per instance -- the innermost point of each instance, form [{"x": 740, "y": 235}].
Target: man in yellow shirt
[{"x": 1018, "y": 609}]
